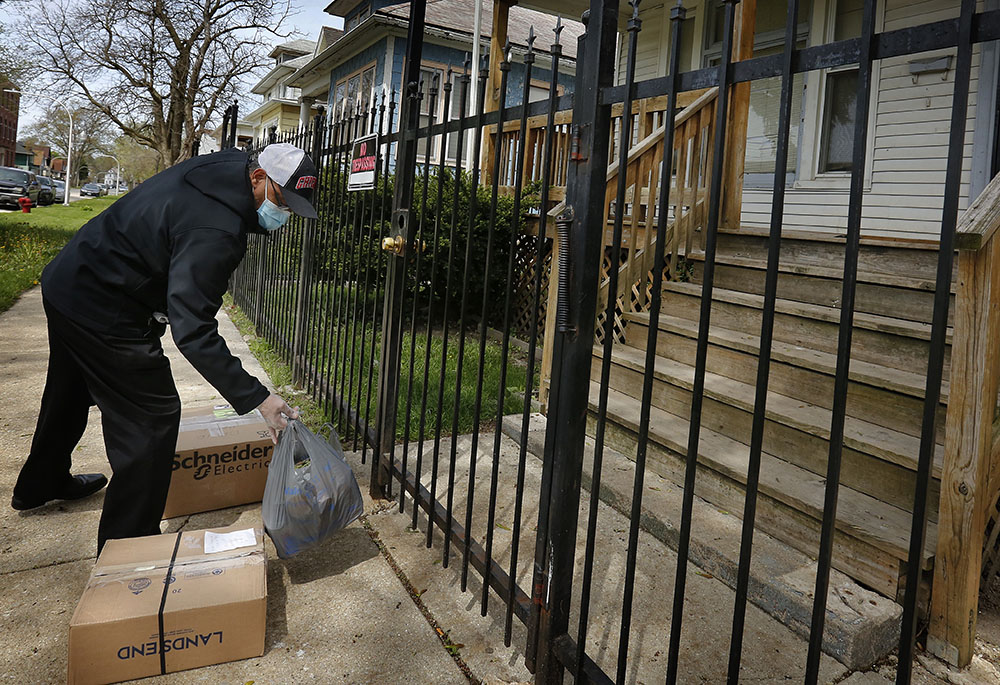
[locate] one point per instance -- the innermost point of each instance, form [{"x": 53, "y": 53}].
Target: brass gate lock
[{"x": 395, "y": 244}]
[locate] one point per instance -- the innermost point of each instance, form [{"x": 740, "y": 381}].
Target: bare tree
[
  {"x": 159, "y": 70},
  {"x": 91, "y": 133}
]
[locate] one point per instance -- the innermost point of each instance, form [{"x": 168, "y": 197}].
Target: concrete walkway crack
[{"x": 449, "y": 646}]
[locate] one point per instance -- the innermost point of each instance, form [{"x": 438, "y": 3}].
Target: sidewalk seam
[{"x": 415, "y": 596}]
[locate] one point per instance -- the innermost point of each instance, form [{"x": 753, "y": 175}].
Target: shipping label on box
[
  {"x": 221, "y": 460},
  {"x": 168, "y": 603}
]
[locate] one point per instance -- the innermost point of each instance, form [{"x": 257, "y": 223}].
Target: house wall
[
  {"x": 908, "y": 133},
  {"x": 9, "y": 106},
  {"x": 908, "y": 147}
]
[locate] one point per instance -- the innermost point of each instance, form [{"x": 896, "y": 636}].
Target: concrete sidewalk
[{"x": 338, "y": 614}]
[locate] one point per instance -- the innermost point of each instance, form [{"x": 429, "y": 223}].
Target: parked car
[
  {"x": 17, "y": 183},
  {"x": 93, "y": 190},
  {"x": 46, "y": 193},
  {"x": 59, "y": 190},
  {"x": 122, "y": 188}
]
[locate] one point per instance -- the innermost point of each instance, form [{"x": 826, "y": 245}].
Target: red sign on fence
[{"x": 363, "y": 160}]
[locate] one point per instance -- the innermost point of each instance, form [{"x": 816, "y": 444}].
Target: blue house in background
[{"x": 367, "y": 59}]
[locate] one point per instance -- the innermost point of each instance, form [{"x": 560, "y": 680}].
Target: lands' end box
[
  {"x": 221, "y": 460},
  {"x": 171, "y": 602}
]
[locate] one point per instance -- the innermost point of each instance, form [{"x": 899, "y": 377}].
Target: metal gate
[{"x": 409, "y": 364}]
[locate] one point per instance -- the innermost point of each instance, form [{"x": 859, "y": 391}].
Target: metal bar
[
  {"x": 701, "y": 354},
  {"x": 484, "y": 314},
  {"x": 411, "y": 230},
  {"x": 379, "y": 288},
  {"x": 349, "y": 287},
  {"x": 418, "y": 247},
  {"x": 555, "y": 50},
  {"x": 939, "y": 331},
  {"x": 541, "y": 562},
  {"x": 529, "y": 60},
  {"x": 766, "y": 337},
  {"x": 333, "y": 203},
  {"x": 624, "y": 143},
  {"x": 462, "y": 321},
  {"x": 342, "y": 245},
  {"x": 567, "y": 652},
  {"x": 360, "y": 249},
  {"x": 364, "y": 370},
  {"x": 573, "y": 347},
  {"x": 442, "y": 153},
  {"x": 456, "y": 188},
  {"x": 395, "y": 277},
  {"x": 323, "y": 235},
  {"x": 841, "y": 379}
]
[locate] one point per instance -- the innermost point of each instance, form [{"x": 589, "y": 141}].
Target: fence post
[
  {"x": 300, "y": 363},
  {"x": 574, "y": 341},
  {"x": 234, "y": 117},
  {"x": 392, "y": 334}
]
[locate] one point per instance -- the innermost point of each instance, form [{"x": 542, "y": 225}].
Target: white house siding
[
  {"x": 904, "y": 193},
  {"x": 651, "y": 49}
]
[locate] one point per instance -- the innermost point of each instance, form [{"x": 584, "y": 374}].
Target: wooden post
[
  {"x": 739, "y": 112},
  {"x": 965, "y": 480},
  {"x": 498, "y": 40}
]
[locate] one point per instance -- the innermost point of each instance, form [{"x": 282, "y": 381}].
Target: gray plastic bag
[{"x": 311, "y": 492}]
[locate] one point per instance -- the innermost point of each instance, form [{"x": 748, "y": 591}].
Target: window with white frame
[
  {"x": 353, "y": 90},
  {"x": 353, "y": 21},
  {"x": 840, "y": 94}
]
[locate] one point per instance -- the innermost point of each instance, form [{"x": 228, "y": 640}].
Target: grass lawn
[
  {"x": 339, "y": 374},
  {"x": 29, "y": 241}
]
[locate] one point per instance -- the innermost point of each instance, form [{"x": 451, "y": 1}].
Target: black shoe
[{"x": 81, "y": 486}]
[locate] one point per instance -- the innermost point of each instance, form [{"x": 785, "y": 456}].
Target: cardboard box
[
  {"x": 221, "y": 460},
  {"x": 162, "y": 603}
]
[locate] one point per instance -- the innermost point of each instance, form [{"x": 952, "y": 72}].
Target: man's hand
[{"x": 276, "y": 413}]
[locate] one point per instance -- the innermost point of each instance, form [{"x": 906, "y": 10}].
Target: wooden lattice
[{"x": 525, "y": 265}]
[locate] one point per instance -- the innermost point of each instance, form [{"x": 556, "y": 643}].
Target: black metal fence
[{"x": 383, "y": 307}]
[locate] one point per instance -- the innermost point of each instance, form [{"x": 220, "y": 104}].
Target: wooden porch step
[
  {"x": 888, "y": 397},
  {"x": 872, "y": 538},
  {"x": 895, "y": 343},
  {"x": 888, "y": 295},
  {"x": 877, "y": 461},
  {"x": 915, "y": 259}
]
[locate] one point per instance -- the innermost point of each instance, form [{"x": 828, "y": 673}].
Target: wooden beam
[
  {"x": 739, "y": 112},
  {"x": 498, "y": 40},
  {"x": 980, "y": 221},
  {"x": 965, "y": 480}
]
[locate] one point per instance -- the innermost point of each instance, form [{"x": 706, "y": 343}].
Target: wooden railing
[
  {"x": 690, "y": 160},
  {"x": 970, "y": 480}
]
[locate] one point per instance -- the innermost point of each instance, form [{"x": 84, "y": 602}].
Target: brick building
[{"x": 9, "y": 105}]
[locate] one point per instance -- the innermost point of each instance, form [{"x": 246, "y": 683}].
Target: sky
[{"x": 307, "y": 23}]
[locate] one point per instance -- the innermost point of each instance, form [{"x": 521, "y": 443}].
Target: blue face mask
[{"x": 269, "y": 215}]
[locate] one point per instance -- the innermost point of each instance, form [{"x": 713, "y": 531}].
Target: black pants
[{"x": 129, "y": 379}]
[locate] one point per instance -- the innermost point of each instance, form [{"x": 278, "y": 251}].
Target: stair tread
[
  {"x": 787, "y": 266},
  {"x": 841, "y": 238},
  {"x": 870, "y": 373},
  {"x": 860, "y": 435},
  {"x": 884, "y": 324},
  {"x": 859, "y": 515}
]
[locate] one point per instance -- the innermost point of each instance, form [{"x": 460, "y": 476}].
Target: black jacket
[{"x": 169, "y": 246}]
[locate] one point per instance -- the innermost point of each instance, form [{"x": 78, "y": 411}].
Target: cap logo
[{"x": 305, "y": 182}]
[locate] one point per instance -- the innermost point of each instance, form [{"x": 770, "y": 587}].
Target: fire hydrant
[{"x": 25, "y": 203}]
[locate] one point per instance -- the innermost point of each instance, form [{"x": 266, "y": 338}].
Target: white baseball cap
[{"x": 291, "y": 168}]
